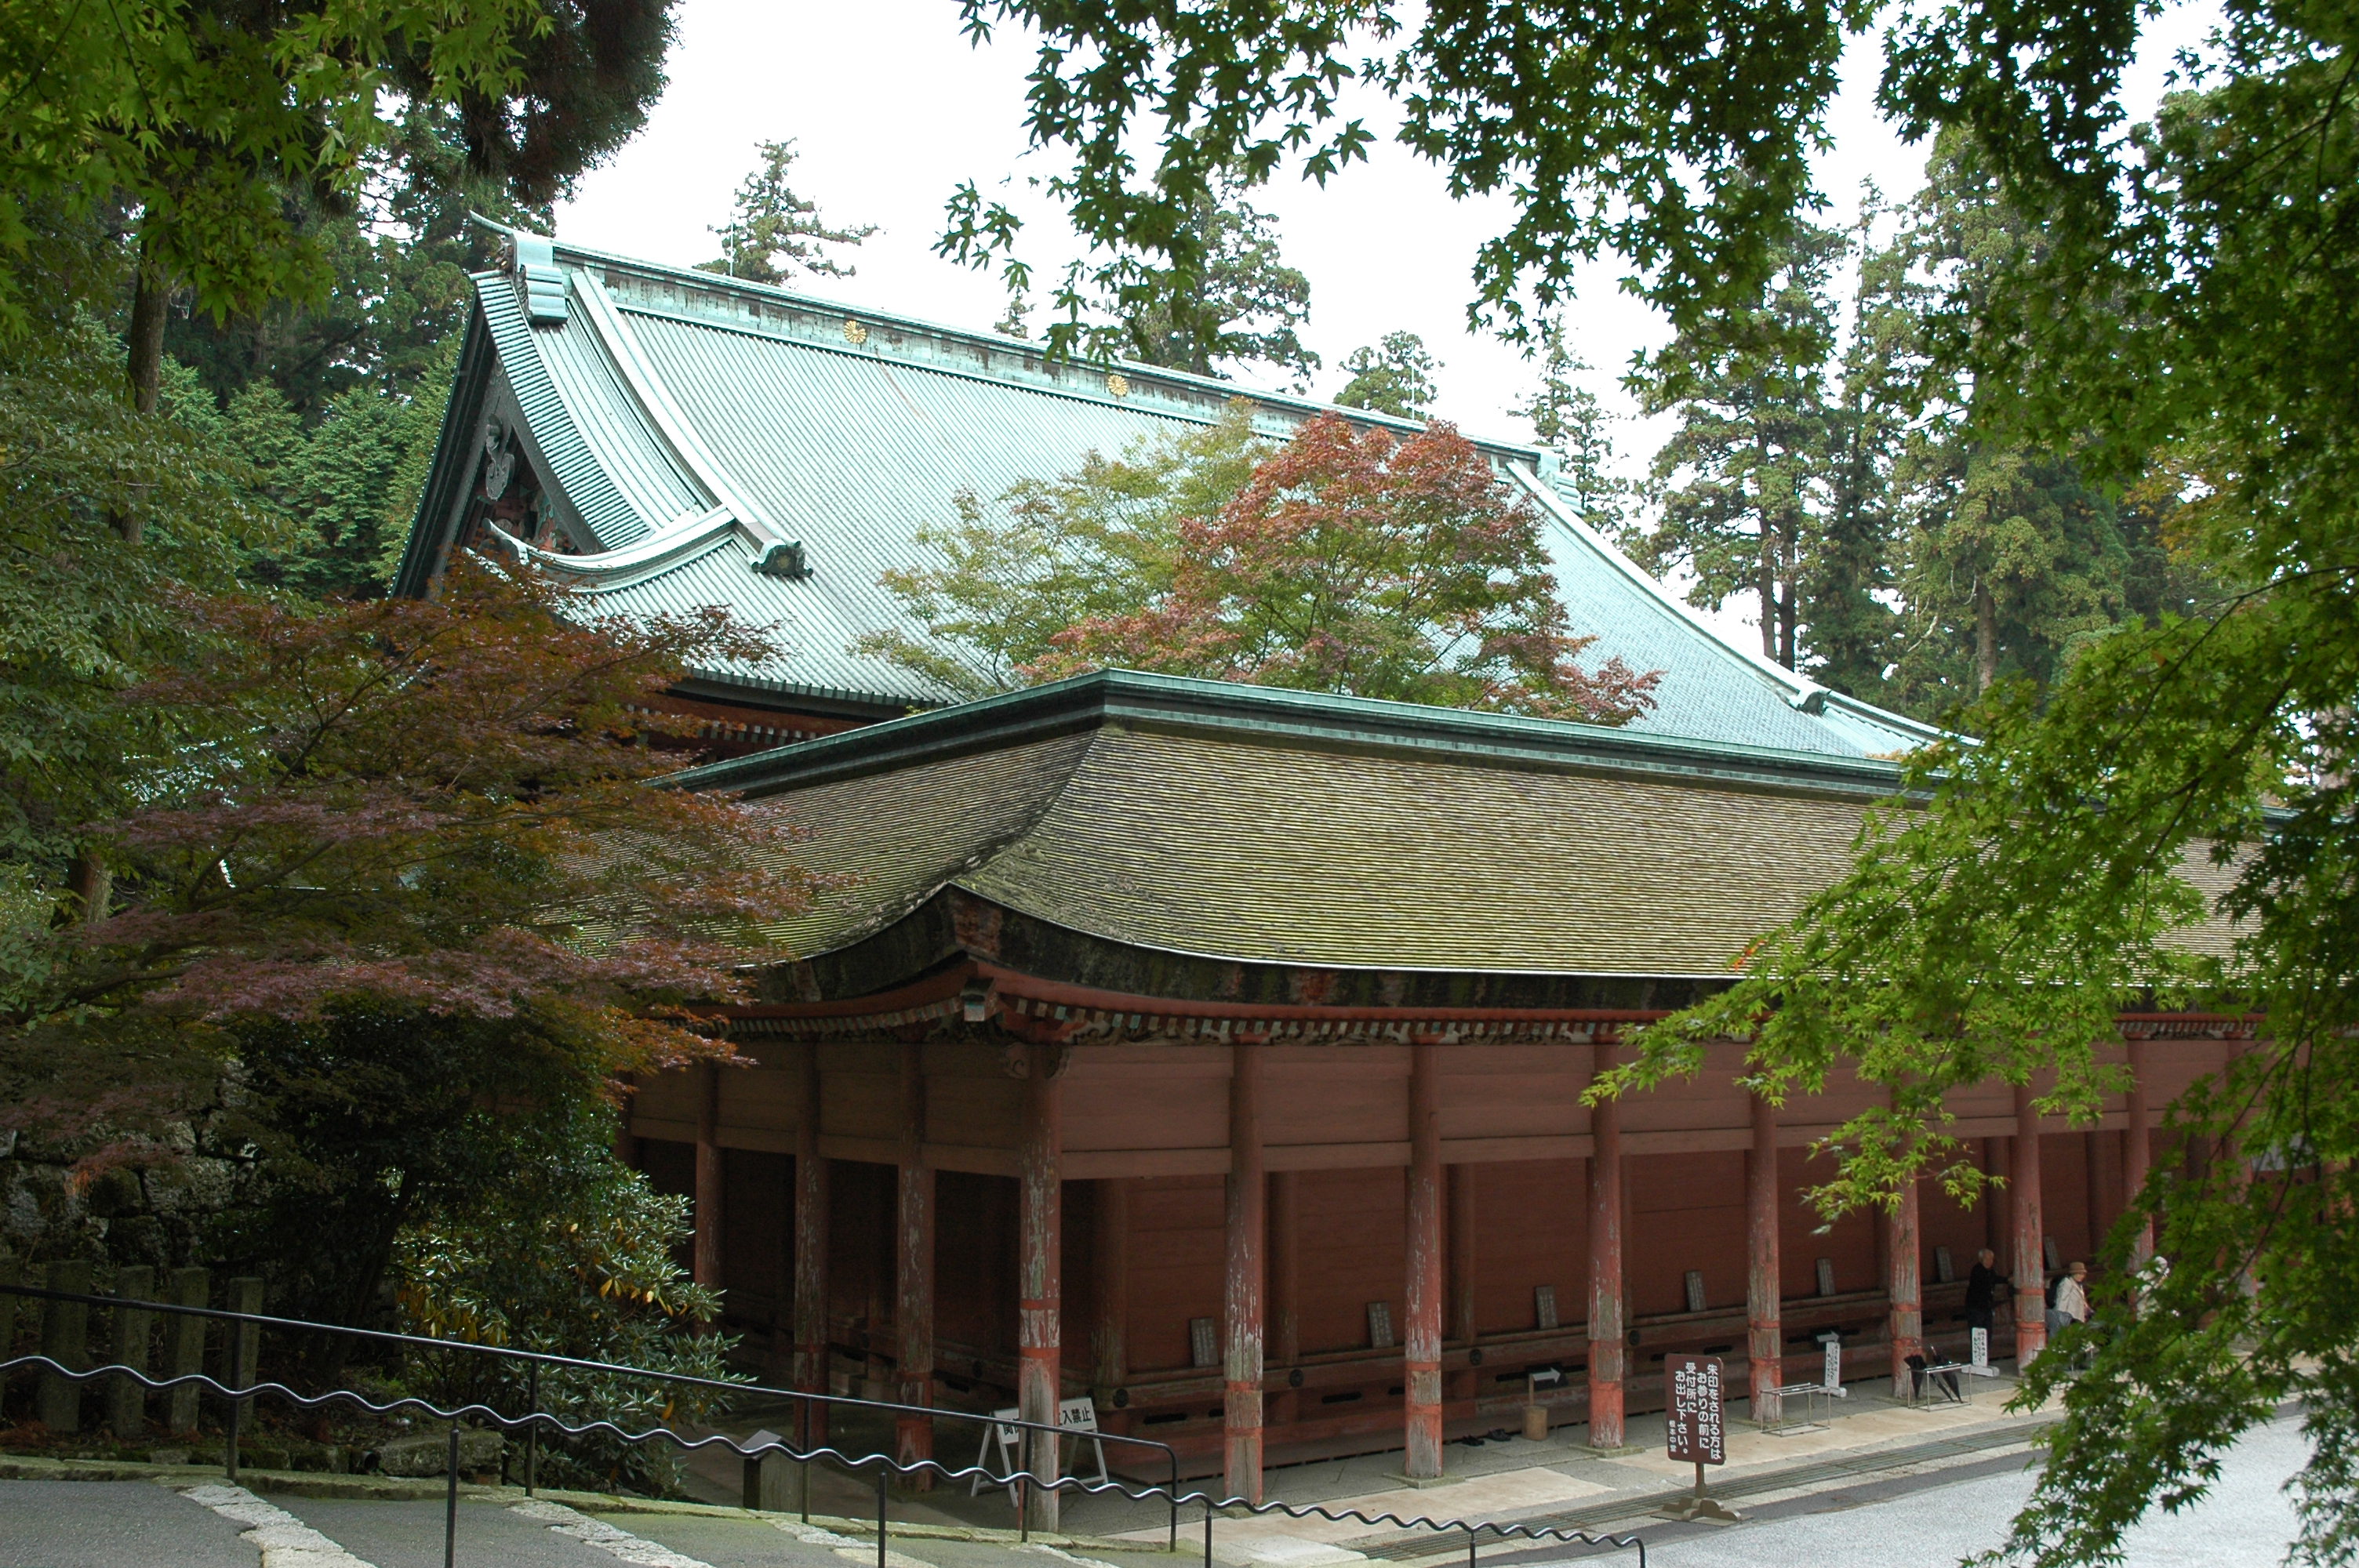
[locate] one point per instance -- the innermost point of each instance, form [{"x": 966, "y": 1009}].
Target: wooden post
[
  {"x": 2138, "y": 1148},
  {"x": 65, "y": 1339},
  {"x": 1040, "y": 1273},
  {"x": 1285, "y": 1274},
  {"x": 1248, "y": 1207},
  {"x": 14, "y": 1306},
  {"x": 1110, "y": 1262},
  {"x": 184, "y": 1346},
  {"x": 1607, "y": 1349},
  {"x": 1422, "y": 1349},
  {"x": 810, "y": 1256},
  {"x": 913, "y": 1307},
  {"x": 1904, "y": 1286},
  {"x": 707, "y": 1258},
  {"x": 2029, "y": 1266},
  {"x": 126, "y": 1398},
  {"x": 1764, "y": 1321}
]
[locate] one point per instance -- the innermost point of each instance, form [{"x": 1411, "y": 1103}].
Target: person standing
[
  {"x": 1983, "y": 1283},
  {"x": 2072, "y": 1298}
]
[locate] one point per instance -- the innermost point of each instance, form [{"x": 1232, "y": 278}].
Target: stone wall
[{"x": 154, "y": 1209}]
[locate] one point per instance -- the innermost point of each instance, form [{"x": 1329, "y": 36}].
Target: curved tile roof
[{"x": 668, "y": 397}]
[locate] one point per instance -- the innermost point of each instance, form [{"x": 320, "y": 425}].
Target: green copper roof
[{"x": 693, "y": 425}]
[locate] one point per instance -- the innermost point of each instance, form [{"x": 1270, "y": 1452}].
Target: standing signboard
[
  {"x": 1695, "y": 1431},
  {"x": 1696, "y": 1434}
]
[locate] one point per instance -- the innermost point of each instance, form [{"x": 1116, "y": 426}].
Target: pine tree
[
  {"x": 1221, "y": 297},
  {"x": 1395, "y": 377},
  {"x": 774, "y": 234},
  {"x": 2009, "y": 558},
  {"x": 1742, "y": 480},
  {"x": 1570, "y": 422},
  {"x": 1241, "y": 305},
  {"x": 1848, "y": 622}
]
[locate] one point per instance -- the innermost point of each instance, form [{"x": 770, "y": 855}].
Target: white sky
[{"x": 891, "y": 108}]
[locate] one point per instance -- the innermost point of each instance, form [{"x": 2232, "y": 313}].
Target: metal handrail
[{"x": 533, "y": 1421}]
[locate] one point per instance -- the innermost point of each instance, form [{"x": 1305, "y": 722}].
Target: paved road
[
  {"x": 1893, "y": 1523},
  {"x": 1936, "y": 1520}
]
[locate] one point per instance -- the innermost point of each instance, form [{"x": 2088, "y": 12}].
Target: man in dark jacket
[{"x": 1983, "y": 1287}]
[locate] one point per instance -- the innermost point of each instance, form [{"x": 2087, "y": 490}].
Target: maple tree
[
  {"x": 1357, "y": 561},
  {"x": 438, "y": 807},
  {"x": 1049, "y": 554}
]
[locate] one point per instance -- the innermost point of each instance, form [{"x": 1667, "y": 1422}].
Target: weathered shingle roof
[
  {"x": 1273, "y": 826},
  {"x": 691, "y": 422},
  {"x": 1251, "y": 824}
]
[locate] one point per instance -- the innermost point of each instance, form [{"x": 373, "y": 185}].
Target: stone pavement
[{"x": 1879, "y": 1486}]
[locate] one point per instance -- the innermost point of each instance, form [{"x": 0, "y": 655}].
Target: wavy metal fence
[{"x": 234, "y": 1394}]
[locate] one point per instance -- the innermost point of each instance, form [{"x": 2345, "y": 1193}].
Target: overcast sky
[{"x": 891, "y": 107}]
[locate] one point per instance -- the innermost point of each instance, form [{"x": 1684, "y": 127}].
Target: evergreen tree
[
  {"x": 2009, "y": 558},
  {"x": 1222, "y": 300},
  {"x": 1569, "y": 421},
  {"x": 1243, "y": 306},
  {"x": 1394, "y": 377},
  {"x": 1848, "y": 622},
  {"x": 1742, "y": 481},
  {"x": 774, "y": 234}
]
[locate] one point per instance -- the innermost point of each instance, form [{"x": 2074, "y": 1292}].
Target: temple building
[{"x": 1216, "y": 1052}]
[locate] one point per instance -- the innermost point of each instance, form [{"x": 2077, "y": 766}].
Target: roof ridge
[
  {"x": 751, "y": 290},
  {"x": 1283, "y": 715}
]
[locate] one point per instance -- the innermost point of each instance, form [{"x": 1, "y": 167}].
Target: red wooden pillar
[
  {"x": 2138, "y": 1148},
  {"x": 1248, "y": 1211},
  {"x": 2029, "y": 1265},
  {"x": 1110, "y": 1264},
  {"x": 706, "y": 1264},
  {"x": 913, "y": 1272},
  {"x": 1607, "y": 1351},
  {"x": 810, "y": 1256},
  {"x": 1763, "y": 1294},
  {"x": 1904, "y": 1286},
  {"x": 1040, "y": 1273},
  {"x": 1424, "y": 1292},
  {"x": 1285, "y": 1276}
]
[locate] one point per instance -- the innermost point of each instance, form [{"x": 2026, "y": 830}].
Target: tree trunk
[
  {"x": 1767, "y": 585},
  {"x": 145, "y": 341},
  {"x": 1985, "y": 638},
  {"x": 93, "y": 882},
  {"x": 93, "y": 886}
]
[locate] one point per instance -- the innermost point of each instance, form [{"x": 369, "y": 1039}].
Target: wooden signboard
[{"x": 1696, "y": 1434}]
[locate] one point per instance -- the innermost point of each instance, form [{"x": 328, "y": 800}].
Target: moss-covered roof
[
  {"x": 1267, "y": 827},
  {"x": 1284, "y": 828}
]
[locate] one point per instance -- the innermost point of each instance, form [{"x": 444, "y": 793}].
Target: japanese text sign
[{"x": 1694, "y": 1419}]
